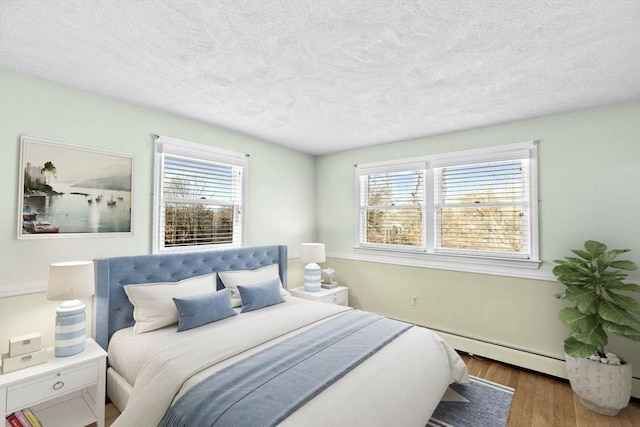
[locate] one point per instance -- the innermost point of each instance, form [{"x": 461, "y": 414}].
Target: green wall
[{"x": 589, "y": 188}]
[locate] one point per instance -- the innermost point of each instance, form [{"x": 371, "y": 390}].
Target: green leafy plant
[{"x": 594, "y": 282}]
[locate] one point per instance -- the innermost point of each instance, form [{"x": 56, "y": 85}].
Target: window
[
  {"x": 392, "y": 202},
  {"x": 479, "y": 204},
  {"x": 199, "y": 196}
]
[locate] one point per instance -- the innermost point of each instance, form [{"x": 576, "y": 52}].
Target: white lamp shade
[
  {"x": 312, "y": 252},
  {"x": 70, "y": 280}
]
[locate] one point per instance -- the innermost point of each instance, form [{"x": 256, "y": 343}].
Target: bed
[{"x": 243, "y": 341}]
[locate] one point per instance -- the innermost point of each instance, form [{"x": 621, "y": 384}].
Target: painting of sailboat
[{"x": 72, "y": 190}]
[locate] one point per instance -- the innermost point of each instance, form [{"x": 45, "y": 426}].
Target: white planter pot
[{"x": 602, "y": 388}]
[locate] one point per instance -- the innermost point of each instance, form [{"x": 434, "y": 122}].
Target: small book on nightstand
[
  {"x": 14, "y": 421},
  {"x": 24, "y": 418},
  {"x": 31, "y": 417}
]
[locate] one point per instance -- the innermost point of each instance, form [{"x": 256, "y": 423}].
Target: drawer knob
[{"x": 58, "y": 385}]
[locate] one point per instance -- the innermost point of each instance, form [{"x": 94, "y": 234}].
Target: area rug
[{"x": 479, "y": 403}]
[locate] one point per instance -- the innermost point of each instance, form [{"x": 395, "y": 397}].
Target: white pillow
[
  {"x": 153, "y": 305},
  {"x": 231, "y": 280}
]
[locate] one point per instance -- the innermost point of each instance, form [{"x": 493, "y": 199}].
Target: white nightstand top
[
  {"x": 321, "y": 293},
  {"x": 92, "y": 351}
]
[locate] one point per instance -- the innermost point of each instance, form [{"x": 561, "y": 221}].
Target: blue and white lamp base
[
  {"x": 312, "y": 277},
  {"x": 71, "y": 319}
]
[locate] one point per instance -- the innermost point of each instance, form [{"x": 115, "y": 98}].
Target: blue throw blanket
[{"x": 267, "y": 387}]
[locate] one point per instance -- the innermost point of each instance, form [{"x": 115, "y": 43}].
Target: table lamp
[
  {"x": 69, "y": 281},
  {"x": 312, "y": 253}
]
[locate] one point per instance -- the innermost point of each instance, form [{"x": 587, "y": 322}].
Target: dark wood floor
[{"x": 539, "y": 400}]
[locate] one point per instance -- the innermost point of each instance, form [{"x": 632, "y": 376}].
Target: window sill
[{"x": 527, "y": 269}]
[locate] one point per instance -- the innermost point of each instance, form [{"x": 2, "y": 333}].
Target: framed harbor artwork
[{"x": 69, "y": 190}]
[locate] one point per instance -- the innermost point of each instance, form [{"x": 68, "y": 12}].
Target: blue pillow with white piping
[
  {"x": 260, "y": 295},
  {"x": 202, "y": 309}
]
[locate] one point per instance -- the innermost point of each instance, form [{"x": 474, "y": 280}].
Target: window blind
[
  {"x": 483, "y": 207},
  {"x": 392, "y": 205}
]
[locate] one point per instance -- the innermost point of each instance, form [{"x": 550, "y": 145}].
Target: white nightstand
[
  {"x": 64, "y": 391},
  {"x": 338, "y": 295}
]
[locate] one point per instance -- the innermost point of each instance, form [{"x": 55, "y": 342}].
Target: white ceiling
[{"x": 322, "y": 76}]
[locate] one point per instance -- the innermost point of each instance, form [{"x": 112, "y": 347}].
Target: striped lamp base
[
  {"x": 312, "y": 277},
  {"x": 70, "y": 329}
]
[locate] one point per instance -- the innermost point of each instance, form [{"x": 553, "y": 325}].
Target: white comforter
[{"x": 398, "y": 386}]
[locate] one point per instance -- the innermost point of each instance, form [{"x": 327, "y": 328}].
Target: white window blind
[
  {"x": 392, "y": 208},
  {"x": 479, "y": 203},
  {"x": 199, "y": 197},
  {"x": 483, "y": 208}
]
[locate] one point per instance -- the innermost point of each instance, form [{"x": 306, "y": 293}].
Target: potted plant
[{"x": 594, "y": 284}]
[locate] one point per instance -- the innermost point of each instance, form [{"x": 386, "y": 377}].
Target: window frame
[
  {"x": 386, "y": 167},
  {"x": 429, "y": 255},
  {"x": 175, "y": 147}
]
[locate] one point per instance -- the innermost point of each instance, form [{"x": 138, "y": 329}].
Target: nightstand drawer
[
  {"x": 339, "y": 298},
  {"x": 52, "y": 385}
]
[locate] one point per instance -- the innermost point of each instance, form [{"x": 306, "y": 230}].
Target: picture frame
[{"x": 69, "y": 190}]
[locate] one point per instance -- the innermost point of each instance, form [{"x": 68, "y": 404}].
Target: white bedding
[
  {"x": 399, "y": 385},
  {"x": 129, "y": 352}
]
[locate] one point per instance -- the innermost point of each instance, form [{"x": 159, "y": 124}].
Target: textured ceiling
[{"x": 322, "y": 76}]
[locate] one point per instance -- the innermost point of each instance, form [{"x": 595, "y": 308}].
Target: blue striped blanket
[{"x": 267, "y": 387}]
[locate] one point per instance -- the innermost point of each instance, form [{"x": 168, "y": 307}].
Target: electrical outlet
[{"x": 415, "y": 301}]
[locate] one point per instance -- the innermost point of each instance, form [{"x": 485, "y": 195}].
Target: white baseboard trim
[{"x": 535, "y": 362}]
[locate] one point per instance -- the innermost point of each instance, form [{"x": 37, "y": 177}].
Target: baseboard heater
[{"x": 513, "y": 356}]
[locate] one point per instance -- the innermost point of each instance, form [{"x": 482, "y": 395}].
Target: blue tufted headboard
[{"x": 113, "y": 311}]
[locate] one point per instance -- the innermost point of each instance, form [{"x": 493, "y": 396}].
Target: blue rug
[{"x": 479, "y": 403}]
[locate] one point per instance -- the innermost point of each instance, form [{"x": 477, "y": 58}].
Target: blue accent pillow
[
  {"x": 202, "y": 309},
  {"x": 260, "y": 295}
]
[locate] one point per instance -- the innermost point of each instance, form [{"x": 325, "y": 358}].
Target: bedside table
[
  {"x": 338, "y": 295},
  {"x": 64, "y": 391}
]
